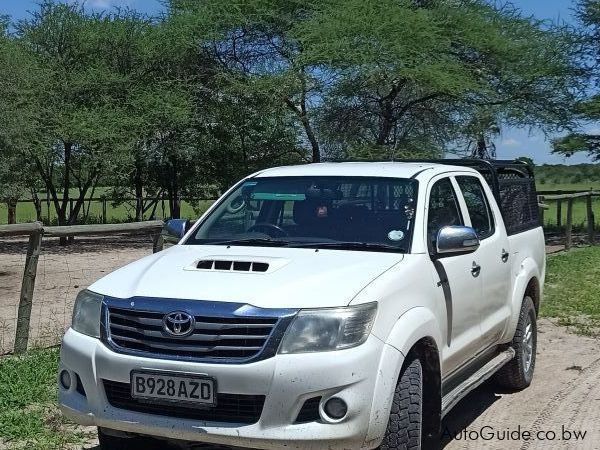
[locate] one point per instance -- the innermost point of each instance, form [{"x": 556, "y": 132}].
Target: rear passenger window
[
  {"x": 477, "y": 205},
  {"x": 443, "y": 208}
]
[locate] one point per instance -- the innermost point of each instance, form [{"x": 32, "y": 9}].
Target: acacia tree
[
  {"x": 393, "y": 77},
  {"x": 587, "y": 110},
  {"x": 255, "y": 39},
  {"x": 423, "y": 72},
  {"x": 79, "y": 119},
  {"x": 18, "y": 119}
]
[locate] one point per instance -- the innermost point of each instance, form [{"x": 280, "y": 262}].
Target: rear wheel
[
  {"x": 518, "y": 373},
  {"x": 404, "y": 427}
]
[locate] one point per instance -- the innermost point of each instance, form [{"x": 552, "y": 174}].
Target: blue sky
[{"x": 511, "y": 144}]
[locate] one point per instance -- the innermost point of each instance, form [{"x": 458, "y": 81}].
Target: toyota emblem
[{"x": 178, "y": 323}]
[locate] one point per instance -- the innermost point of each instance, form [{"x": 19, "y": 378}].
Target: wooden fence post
[
  {"x": 541, "y": 209},
  {"x": 569, "y": 225},
  {"x": 103, "y": 210},
  {"x": 158, "y": 243},
  {"x": 590, "y": 220},
  {"x": 27, "y": 286},
  {"x": 559, "y": 214}
]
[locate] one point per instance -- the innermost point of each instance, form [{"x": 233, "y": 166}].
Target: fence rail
[
  {"x": 36, "y": 231},
  {"x": 569, "y": 198}
]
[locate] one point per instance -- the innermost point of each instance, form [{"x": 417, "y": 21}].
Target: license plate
[{"x": 173, "y": 387}]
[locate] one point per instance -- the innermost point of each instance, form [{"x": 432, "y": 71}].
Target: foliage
[
  {"x": 393, "y": 77},
  {"x": 17, "y": 116},
  {"x": 585, "y": 174},
  {"x": 587, "y": 110}
]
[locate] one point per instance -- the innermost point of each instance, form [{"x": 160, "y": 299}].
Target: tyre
[
  {"x": 109, "y": 441},
  {"x": 404, "y": 427},
  {"x": 518, "y": 373}
]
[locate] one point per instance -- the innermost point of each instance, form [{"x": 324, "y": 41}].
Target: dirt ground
[
  {"x": 564, "y": 395},
  {"x": 62, "y": 272}
]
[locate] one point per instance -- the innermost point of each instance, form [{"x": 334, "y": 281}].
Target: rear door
[
  {"x": 493, "y": 255},
  {"x": 459, "y": 285}
]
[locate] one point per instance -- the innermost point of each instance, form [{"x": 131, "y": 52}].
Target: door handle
[
  {"x": 505, "y": 255},
  {"x": 476, "y": 269}
]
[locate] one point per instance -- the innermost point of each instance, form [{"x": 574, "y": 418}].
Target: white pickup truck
[{"x": 321, "y": 306}]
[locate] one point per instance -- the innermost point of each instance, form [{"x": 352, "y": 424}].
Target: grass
[
  {"x": 572, "y": 290},
  {"x": 29, "y": 417}
]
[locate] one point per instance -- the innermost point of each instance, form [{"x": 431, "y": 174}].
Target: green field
[{"x": 114, "y": 214}]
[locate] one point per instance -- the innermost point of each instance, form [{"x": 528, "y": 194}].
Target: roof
[{"x": 361, "y": 169}]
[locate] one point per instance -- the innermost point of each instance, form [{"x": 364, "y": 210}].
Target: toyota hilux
[{"x": 322, "y": 306}]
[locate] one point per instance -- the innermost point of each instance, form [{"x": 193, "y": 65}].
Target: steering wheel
[{"x": 280, "y": 232}]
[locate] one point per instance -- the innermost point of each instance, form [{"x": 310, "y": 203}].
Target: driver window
[{"x": 443, "y": 208}]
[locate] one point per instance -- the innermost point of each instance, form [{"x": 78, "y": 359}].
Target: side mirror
[
  {"x": 456, "y": 240},
  {"x": 175, "y": 229}
]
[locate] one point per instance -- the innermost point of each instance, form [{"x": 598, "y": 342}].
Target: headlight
[
  {"x": 86, "y": 313},
  {"x": 322, "y": 330}
]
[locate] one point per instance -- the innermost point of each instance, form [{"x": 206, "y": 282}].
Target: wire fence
[{"x": 42, "y": 307}]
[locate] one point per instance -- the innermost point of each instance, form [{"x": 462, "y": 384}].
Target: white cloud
[
  {"x": 510, "y": 142},
  {"x": 102, "y": 4}
]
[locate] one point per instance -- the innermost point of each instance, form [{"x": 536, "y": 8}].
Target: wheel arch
[
  {"x": 527, "y": 282},
  {"x": 416, "y": 333}
]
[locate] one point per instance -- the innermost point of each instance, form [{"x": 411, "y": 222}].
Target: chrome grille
[{"x": 235, "y": 338}]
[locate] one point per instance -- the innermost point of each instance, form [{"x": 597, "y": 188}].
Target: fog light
[
  {"x": 336, "y": 408},
  {"x": 65, "y": 379}
]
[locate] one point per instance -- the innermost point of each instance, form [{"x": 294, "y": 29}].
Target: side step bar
[{"x": 459, "y": 392}]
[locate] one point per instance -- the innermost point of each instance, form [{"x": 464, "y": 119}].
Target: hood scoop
[{"x": 238, "y": 266}]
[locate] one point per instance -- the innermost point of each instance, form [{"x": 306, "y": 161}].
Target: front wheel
[
  {"x": 404, "y": 427},
  {"x": 518, "y": 373}
]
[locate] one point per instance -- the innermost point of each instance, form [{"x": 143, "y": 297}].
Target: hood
[{"x": 295, "y": 278}]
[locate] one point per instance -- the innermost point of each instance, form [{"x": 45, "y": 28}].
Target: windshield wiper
[
  {"x": 251, "y": 241},
  {"x": 369, "y": 246}
]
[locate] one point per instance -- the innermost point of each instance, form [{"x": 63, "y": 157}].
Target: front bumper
[{"x": 287, "y": 381}]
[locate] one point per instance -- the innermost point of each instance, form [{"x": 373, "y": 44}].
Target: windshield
[{"x": 359, "y": 213}]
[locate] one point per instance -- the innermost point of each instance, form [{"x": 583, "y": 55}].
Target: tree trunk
[
  {"x": 62, "y": 212},
  {"x": 12, "y": 211},
  {"x": 37, "y": 204},
  {"x": 314, "y": 144},
  {"x": 139, "y": 192}
]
